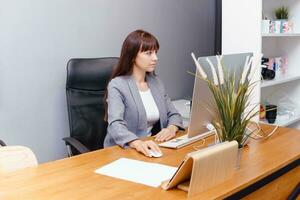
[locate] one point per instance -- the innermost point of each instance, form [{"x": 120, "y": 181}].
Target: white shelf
[
  {"x": 284, "y": 122},
  {"x": 276, "y": 81},
  {"x": 280, "y": 35}
]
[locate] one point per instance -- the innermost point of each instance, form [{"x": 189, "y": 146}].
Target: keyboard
[{"x": 184, "y": 140}]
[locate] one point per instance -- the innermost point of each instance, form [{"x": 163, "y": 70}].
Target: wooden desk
[{"x": 74, "y": 178}]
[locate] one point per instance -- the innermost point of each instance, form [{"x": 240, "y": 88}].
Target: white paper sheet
[{"x": 151, "y": 174}]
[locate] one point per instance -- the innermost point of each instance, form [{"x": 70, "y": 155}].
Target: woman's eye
[{"x": 148, "y": 52}]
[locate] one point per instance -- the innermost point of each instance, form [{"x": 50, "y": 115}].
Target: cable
[
  {"x": 255, "y": 133},
  {"x": 272, "y": 132},
  {"x": 264, "y": 134},
  {"x": 197, "y": 147}
]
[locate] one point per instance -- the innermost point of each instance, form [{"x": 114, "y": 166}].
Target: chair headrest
[{"x": 90, "y": 73}]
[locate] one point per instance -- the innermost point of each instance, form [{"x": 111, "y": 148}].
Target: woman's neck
[
  {"x": 140, "y": 79},
  {"x": 139, "y": 75}
]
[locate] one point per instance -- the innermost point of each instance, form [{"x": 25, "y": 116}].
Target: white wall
[
  {"x": 241, "y": 32},
  {"x": 241, "y": 28},
  {"x": 38, "y": 37}
]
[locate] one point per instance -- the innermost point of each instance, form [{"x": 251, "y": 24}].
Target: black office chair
[
  {"x": 2, "y": 143},
  {"x": 87, "y": 79}
]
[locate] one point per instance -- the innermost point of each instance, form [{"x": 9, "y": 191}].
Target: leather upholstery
[{"x": 87, "y": 79}]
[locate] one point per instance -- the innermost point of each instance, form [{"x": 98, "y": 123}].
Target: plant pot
[
  {"x": 283, "y": 26},
  {"x": 239, "y": 156},
  {"x": 275, "y": 26}
]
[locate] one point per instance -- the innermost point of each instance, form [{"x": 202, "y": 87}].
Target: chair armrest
[
  {"x": 2, "y": 143},
  {"x": 76, "y": 144}
]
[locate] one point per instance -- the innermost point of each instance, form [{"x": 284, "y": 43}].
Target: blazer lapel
[
  {"x": 158, "y": 98},
  {"x": 142, "y": 117}
]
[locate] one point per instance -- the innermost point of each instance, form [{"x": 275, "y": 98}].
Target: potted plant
[
  {"x": 282, "y": 16},
  {"x": 231, "y": 109},
  {"x": 282, "y": 13}
]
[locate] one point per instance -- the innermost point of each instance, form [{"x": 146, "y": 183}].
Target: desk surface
[{"x": 74, "y": 178}]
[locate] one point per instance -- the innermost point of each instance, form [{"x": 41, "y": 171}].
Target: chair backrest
[
  {"x": 87, "y": 79},
  {"x": 2, "y": 143},
  {"x": 16, "y": 157}
]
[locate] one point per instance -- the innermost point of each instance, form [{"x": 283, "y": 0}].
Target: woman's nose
[{"x": 154, "y": 57}]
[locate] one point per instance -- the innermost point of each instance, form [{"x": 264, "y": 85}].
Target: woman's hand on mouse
[{"x": 144, "y": 146}]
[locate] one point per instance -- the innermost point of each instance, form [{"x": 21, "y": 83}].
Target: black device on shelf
[{"x": 267, "y": 74}]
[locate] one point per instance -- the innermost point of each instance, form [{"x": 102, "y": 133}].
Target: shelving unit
[
  {"x": 287, "y": 122},
  {"x": 281, "y": 80},
  {"x": 283, "y": 45},
  {"x": 281, "y": 35}
]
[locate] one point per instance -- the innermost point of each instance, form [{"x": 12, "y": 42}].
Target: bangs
[{"x": 148, "y": 42}]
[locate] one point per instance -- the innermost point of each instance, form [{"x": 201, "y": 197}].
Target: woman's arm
[{"x": 117, "y": 127}]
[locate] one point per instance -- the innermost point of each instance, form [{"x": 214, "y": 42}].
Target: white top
[{"x": 151, "y": 109}]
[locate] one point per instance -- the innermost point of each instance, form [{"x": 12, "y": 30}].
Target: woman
[{"x": 137, "y": 103}]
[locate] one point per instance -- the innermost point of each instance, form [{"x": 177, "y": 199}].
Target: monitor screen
[{"x": 200, "y": 116}]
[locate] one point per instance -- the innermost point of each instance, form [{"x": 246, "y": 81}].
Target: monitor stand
[{"x": 184, "y": 140}]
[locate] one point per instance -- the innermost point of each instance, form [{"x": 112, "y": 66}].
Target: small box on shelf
[{"x": 274, "y": 27}]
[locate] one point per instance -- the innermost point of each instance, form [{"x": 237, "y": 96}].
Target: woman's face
[{"x": 146, "y": 60}]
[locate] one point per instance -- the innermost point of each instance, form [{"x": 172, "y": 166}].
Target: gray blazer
[{"x": 127, "y": 119}]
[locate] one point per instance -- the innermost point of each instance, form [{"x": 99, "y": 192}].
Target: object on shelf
[
  {"x": 287, "y": 107},
  {"x": 282, "y": 16},
  {"x": 280, "y": 66},
  {"x": 275, "y": 26},
  {"x": 271, "y": 113},
  {"x": 282, "y": 13},
  {"x": 262, "y": 112},
  {"x": 265, "y": 26},
  {"x": 274, "y": 67},
  {"x": 287, "y": 26},
  {"x": 267, "y": 74},
  {"x": 281, "y": 26}
]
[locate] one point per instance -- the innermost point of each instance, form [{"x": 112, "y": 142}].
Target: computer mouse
[{"x": 155, "y": 154}]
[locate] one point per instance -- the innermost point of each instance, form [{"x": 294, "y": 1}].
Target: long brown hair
[{"x": 137, "y": 41}]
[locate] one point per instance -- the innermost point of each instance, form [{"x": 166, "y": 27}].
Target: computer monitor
[{"x": 200, "y": 116}]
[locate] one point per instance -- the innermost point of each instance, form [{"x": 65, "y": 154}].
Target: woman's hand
[
  {"x": 145, "y": 146},
  {"x": 166, "y": 133}
]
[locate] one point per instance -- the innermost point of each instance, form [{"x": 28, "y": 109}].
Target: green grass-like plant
[
  {"x": 282, "y": 13},
  {"x": 231, "y": 108}
]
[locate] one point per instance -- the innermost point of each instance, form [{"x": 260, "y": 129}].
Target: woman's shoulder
[{"x": 118, "y": 81}]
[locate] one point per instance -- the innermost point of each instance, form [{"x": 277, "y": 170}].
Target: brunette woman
[{"x": 137, "y": 103}]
